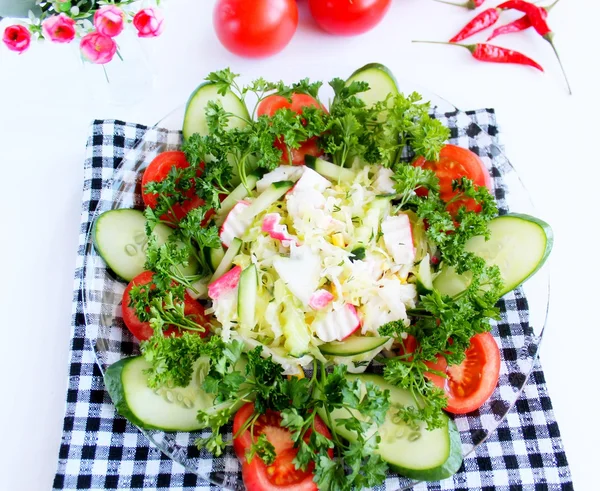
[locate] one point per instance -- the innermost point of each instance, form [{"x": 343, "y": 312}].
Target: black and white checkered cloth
[{"x": 101, "y": 450}]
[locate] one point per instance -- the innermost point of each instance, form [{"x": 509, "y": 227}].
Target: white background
[{"x": 46, "y": 106}]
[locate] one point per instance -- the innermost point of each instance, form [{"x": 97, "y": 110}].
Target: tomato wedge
[
  {"x": 471, "y": 383},
  {"x": 282, "y": 474},
  {"x": 456, "y": 162},
  {"x": 142, "y": 330},
  {"x": 270, "y": 105},
  {"x": 157, "y": 171}
]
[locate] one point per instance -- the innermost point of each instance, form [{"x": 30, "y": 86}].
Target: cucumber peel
[
  {"x": 380, "y": 79},
  {"x": 353, "y": 345},
  {"x": 519, "y": 245}
]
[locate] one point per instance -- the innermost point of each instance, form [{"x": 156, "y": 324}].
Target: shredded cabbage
[{"x": 332, "y": 224}]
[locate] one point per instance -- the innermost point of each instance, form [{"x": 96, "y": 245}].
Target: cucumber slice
[
  {"x": 329, "y": 170},
  {"x": 424, "y": 276},
  {"x": 120, "y": 238},
  {"x": 265, "y": 199},
  {"x": 380, "y": 79},
  {"x": 371, "y": 223},
  {"x": 422, "y": 455},
  {"x": 295, "y": 330},
  {"x": 194, "y": 120},
  {"x": 519, "y": 245},
  {"x": 215, "y": 256},
  {"x": 353, "y": 345},
  {"x": 227, "y": 261},
  {"x": 247, "y": 294},
  {"x": 166, "y": 409},
  {"x": 238, "y": 194}
]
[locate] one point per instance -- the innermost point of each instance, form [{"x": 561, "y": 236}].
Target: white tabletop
[{"x": 46, "y": 109}]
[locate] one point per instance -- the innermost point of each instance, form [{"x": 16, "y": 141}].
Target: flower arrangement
[{"x": 95, "y": 23}]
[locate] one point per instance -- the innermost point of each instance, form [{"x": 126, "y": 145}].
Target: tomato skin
[
  {"x": 282, "y": 475},
  {"x": 456, "y": 162},
  {"x": 142, "y": 330},
  {"x": 308, "y": 147},
  {"x": 471, "y": 383},
  {"x": 256, "y": 28},
  {"x": 157, "y": 171},
  {"x": 270, "y": 105},
  {"x": 348, "y": 18}
]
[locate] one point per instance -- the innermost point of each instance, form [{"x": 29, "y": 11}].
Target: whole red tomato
[
  {"x": 348, "y": 17},
  {"x": 255, "y": 28}
]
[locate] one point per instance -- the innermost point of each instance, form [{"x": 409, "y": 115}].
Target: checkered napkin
[{"x": 101, "y": 450}]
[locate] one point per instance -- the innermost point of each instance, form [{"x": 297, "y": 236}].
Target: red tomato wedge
[
  {"x": 454, "y": 163},
  {"x": 471, "y": 383},
  {"x": 270, "y": 105},
  {"x": 157, "y": 171},
  {"x": 282, "y": 474},
  {"x": 142, "y": 330}
]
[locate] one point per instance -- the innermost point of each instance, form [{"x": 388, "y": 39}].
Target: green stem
[
  {"x": 550, "y": 38},
  {"x": 246, "y": 120},
  {"x": 470, "y": 47},
  {"x": 467, "y": 5},
  {"x": 551, "y": 6}
]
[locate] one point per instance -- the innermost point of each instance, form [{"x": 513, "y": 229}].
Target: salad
[{"x": 321, "y": 277}]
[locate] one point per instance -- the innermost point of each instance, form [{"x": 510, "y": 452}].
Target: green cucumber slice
[
  {"x": 215, "y": 256},
  {"x": 329, "y": 170},
  {"x": 238, "y": 194},
  {"x": 165, "y": 409},
  {"x": 519, "y": 245},
  {"x": 227, "y": 261},
  {"x": 422, "y": 455},
  {"x": 295, "y": 330},
  {"x": 247, "y": 294},
  {"x": 424, "y": 276},
  {"x": 353, "y": 345},
  {"x": 265, "y": 199},
  {"x": 120, "y": 238},
  {"x": 380, "y": 79},
  {"x": 194, "y": 120}
]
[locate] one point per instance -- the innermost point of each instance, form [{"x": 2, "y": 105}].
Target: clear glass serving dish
[{"x": 518, "y": 333}]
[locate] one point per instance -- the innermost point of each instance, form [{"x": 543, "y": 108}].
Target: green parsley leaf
[{"x": 262, "y": 448}]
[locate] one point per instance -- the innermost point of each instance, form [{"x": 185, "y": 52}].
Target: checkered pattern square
[{"x": 101, "y": 450}]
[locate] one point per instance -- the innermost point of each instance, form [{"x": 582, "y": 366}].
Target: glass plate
[{"x": 518, "y": 334}]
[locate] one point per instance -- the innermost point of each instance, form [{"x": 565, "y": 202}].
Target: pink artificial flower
[
  {"x": 108, "y": 20},
  {"x": 59, "y": 28},
  {"x": 149, "y": 22},
  {"x": 98, "y": 48},
  {"x": 17, "y": 38}
]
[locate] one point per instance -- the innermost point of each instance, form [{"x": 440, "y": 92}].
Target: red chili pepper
[
  {"x": 470, "y": 4},
  {"x": 493, "y": 54},
  {"x": 515, "y": 26},
  {"x": 537, "y": 17},
  {"x": 480, "y": 22},
  {"x": 520, "y": 24}
]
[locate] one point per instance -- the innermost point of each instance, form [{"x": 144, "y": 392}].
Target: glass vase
[{"x": 17, "y": 8}]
